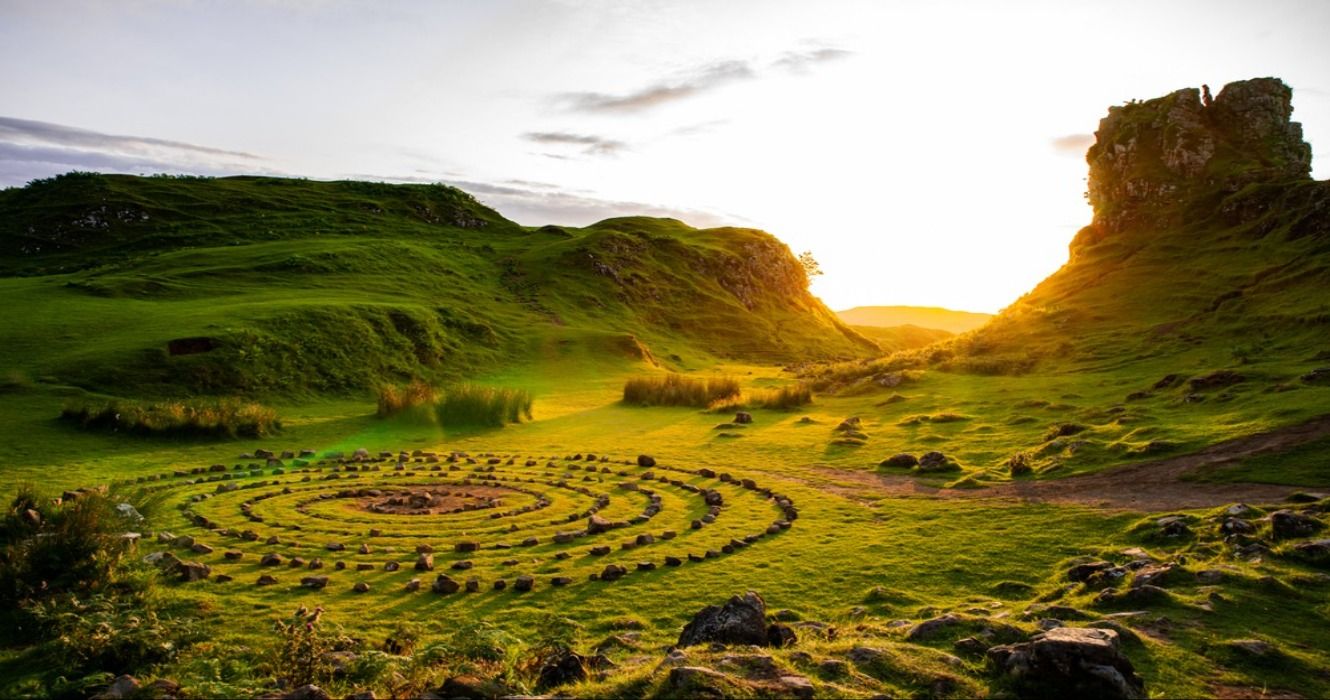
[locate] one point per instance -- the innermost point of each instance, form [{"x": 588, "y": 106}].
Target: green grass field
[{"x": 308, "y": 296}]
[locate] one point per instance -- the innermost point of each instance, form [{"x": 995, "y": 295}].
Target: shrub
[
  {"x": 224, "y": 418},
  {"x": 677, "y": 390}
]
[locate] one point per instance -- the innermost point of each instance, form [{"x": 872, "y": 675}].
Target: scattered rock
[
  {"x": 1070, "y": 662},
  {"x": 1286, "y": 524},
  {"x": 930, "y": 628},
  {"x": 936, "y": 462},
  {"x": 900, "y": 461},
  {"x": 741, "y": 620}
]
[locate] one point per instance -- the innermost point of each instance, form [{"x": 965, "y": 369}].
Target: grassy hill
[
  {"x": 1191, "y": 309},
  {"x": 162, "y": 285},
  {"x": 919, "y": 316},
  {"x": 897, "y": 338}
]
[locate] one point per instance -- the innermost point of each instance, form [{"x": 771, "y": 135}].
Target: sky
[{"x": 926, "y": 153}]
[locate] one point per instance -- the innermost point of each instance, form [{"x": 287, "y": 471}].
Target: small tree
[{"x": 811, "y": 267}]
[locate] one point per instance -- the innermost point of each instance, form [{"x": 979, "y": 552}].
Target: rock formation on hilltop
[{"x": 1150, "y": 157}]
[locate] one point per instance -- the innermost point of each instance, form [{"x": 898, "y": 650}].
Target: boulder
[
  {"x": 596, "y": 525},
  {"x": 931, "y": 628},
  {"x": 613, "y": 572},
  {"x": 900, "y": 461},
  {"x": 1082, "y": 572},
  {"x": 360, "y": 587},
  {"x": 646, "y": 461},
  {"x": 937, "y": 462},
  {"x": 780, "y": 635},
  {"x": 561, "y": 667},
  {"x": 743, "y": 418},
  {"x": 445, "y": 584},
  {"x": 524, "y": 583},
  {"x": 1069, "y": 662},
  {"x": 192, "y": 571},
  {"x": 425, "y": 562},
  {"x": 1286, "y": 524},
  {"x": 315, "y": 582},
  {"x": 741, "y": 620}
]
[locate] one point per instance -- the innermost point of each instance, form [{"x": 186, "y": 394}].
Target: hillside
[
  {"x": 1191, "y": 309},
  {"x": 897, "y": 338},
  {"x": 1208, "y": 237},
  {"x": 161, "y": 285},
  {"x": 920, "y": 316}
]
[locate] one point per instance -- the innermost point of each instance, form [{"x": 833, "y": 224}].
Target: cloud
[
  {"x": 29, "y": 131},
  {"x": 1073, "y": 144},
  {"x": 542, "y": 203},
  {"x": 590, "y": 145},
  {"x": 32, "y": 149},
  {"x": 801, "y": 61},
  {"x": 708, "y": 77}
]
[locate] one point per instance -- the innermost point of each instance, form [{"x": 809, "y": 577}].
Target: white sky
[{"x": 909, "y": 145}]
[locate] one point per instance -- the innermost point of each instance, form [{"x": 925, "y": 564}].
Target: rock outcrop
[{"x": 1149, "y": 157}]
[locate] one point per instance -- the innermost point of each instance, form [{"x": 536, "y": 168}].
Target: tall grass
[
  {"x": 227, "y": 418},
  {"x": 464, "y": 404},
  {"x": 786, "y": 397},
  {"x": 678, "y": 390}
]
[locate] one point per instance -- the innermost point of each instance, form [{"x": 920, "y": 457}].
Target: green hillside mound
[
  {"x": 919, "y": 316},
  {"x": 134, "y": 285}
]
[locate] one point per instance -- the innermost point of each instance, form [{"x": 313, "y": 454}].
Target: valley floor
[{"x": 871, "y": 554}]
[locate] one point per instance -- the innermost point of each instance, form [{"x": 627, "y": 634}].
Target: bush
[
  {"x": 677, "y": 390},
  {"x": 224, "y": 418},
  {"x": 465, "y": 404}
]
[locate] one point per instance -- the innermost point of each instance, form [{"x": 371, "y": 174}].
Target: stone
[
  {"x": 1286, "y": 524},
  {"x": 936, "y": 462},
  {"x": 596, "y": 525},
  {"x": 646, "y": 461},
  {"x": 192, "y": 571},
  {"x": 561, "y": 667},
  {"x": 466, "y": 546},
  {"x": 931, "y": 628},
  {"x": 124, "y": 686},
  {"x": 613, "y": 572},
  {"x": 698, "y": 682},
  {"x": 266, "y": 580},
  {"x": 781, "y": 635},
  {"x": 360, "y": 587},
  {"x": 413, "y": 585},
  {"x": 1082, "y": 572},
  {"x": 741, "y": 620},
  {"x": 560, "y": 581},
  {"x": 796, "y": 687},
  {"x": 743, "y": 418},
  {"x": 900, "y": 461},
  {"x": 524, "y": 583},
  {"x": 315, "y": 582},
  {"x": 1069, "y": 662},
  {"x": 473, "y": 688},
  {"x": 445, "y": 585},
  {"x": 392, "y": 566},
  {"x": 425, "y": 562}
]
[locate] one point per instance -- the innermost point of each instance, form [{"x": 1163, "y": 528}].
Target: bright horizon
[{"x": 928, "y": 154}]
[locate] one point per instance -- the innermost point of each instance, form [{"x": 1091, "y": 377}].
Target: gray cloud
[
  {"x": 34, "y": 132},
  {"x": 32, "y": 149},
  {"x": 1073, "y": 144},
  {"x": 546, "y": 204},
  {"x": 706, "y": 78},
  {"x": 801, "y": 61},
  {"x": 699, "y": 80},
  {"x": 590, "y": 145}
]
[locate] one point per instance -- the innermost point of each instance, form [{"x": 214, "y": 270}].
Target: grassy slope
[
  {"x": 317, "y": 287},
  {"x": 921, "y": 316},
  {"x": 896, "y": 338}
]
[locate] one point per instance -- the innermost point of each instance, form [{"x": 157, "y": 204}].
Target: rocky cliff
[{"x": 1153, "y": 160}]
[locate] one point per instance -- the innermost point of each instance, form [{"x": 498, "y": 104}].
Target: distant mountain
[
  {"x": 920, "y": 316},
  {"x": 135, "y": 285}
]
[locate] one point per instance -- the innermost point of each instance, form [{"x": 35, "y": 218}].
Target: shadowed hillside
[{"x": 157, "y": 285}]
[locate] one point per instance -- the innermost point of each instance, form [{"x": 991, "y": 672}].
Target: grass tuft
[
  {"x": 215, "y": 418},
  {"x": 678, "y": 390},
  {"x": 465, "y": 404}
]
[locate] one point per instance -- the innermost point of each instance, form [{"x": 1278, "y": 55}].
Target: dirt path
[{"x": 1150, "y": 486}]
